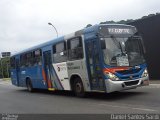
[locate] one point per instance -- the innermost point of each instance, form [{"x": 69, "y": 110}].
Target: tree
[
  {"x": 128, "y": 20},
  {"x": 122, "y": 22},
  {"x": 89, "y": 25},
  {"x": 5, "y": 67}
]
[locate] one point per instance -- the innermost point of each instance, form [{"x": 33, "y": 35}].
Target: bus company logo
[{"x": 131, "y": 77}]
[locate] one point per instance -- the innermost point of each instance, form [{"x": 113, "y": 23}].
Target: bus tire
[
  {"x": 78, "y": 88},
  {"x": 29, "y": 85}
]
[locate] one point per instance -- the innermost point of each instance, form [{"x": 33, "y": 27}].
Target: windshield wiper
[
  {"x": 119, "y": 45},
  {"x": 122, "y": 51}
]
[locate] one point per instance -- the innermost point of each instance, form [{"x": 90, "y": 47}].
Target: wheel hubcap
[{"x": 78, "y": 87}]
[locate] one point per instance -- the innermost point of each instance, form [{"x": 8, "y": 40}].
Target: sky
[{"x": 24, "y": 23}]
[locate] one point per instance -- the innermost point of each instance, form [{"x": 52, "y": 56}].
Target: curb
[{"x": 5, "y": 81}]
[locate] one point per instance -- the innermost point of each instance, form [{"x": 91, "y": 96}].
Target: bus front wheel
[
  {"x": 78, "y": 88},
  {"x": 29, "y": 85}
]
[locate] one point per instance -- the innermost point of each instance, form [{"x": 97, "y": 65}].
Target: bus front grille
[{"x": 130, "y": 83}]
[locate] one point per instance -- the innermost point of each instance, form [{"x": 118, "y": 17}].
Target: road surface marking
[
  {"x": 153, "y": 86},
  {"x": 130, "y": 107},
  {"x": 144, "y": 109}
]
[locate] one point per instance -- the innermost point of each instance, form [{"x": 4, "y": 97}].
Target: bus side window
[
  {"x": 13, "y": 64},
  {"x": 23, "y": 60},
  {"x": 59, "y": 52},
  {"x": 75, "y": 48},
  {"x": 37, "y": 57},
  {"x": 29, "y": 59}
]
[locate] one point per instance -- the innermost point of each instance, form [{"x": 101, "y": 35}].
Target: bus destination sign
[{"x": 120, "y": 31}]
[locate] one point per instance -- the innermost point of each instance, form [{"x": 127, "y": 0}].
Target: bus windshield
[{"x": 127, "y": 51}]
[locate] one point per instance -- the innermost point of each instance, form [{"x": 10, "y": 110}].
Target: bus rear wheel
[
  {"x": 78, "y": 88},
  {"x": 29, "y": 85}
]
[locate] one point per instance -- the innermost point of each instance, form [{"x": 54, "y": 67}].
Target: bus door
[
  {"x": 47, "y": 67},
  {"x": 93, "y": 65},
  {"x": 17, "y": 71}
]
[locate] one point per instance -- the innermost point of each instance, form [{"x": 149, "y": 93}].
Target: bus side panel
[
  {"x": 36, "y": 77},
  {"x": 22, "y": 77},
  {"x": 15, "y": 70},
  {"x": 40, "y": 83},
  {"x": 14, "y": 77},
  {"x": 78, "y": 67},
  {"x": 60, "y": 75},
  {"x": 34, "y": 74}
]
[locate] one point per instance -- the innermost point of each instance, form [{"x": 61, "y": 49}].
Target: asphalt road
[{"x": 19, "y": 100}]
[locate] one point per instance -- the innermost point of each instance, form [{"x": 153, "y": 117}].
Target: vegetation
[
  {"x": 5, "y": 67},
  {"x": 125, "y": 21}
]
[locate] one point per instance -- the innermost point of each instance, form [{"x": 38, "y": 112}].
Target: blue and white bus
[{"x": 104, "y": 58}]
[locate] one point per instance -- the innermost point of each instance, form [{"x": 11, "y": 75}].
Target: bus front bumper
[{"x": 112, "y": 86}]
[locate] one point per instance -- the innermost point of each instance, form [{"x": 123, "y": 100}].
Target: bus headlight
[
  {"x": 112, "y": 76},
  {"x": 145, "y": 73}
]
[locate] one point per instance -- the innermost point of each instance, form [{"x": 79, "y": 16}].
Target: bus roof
[
  {"x": 40, "y": 45},
  {"x": 86, "y": 30}
]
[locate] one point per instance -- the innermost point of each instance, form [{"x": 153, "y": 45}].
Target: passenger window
[
  {"x": 75, "y": 48},
  {"x": 23, "y": 60},
  {"x": 59, "y": 52},
  {"x": 37, "y": 57},
  {"x": 29, "y": 59},
  {"x": 12, "y": 62}
]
